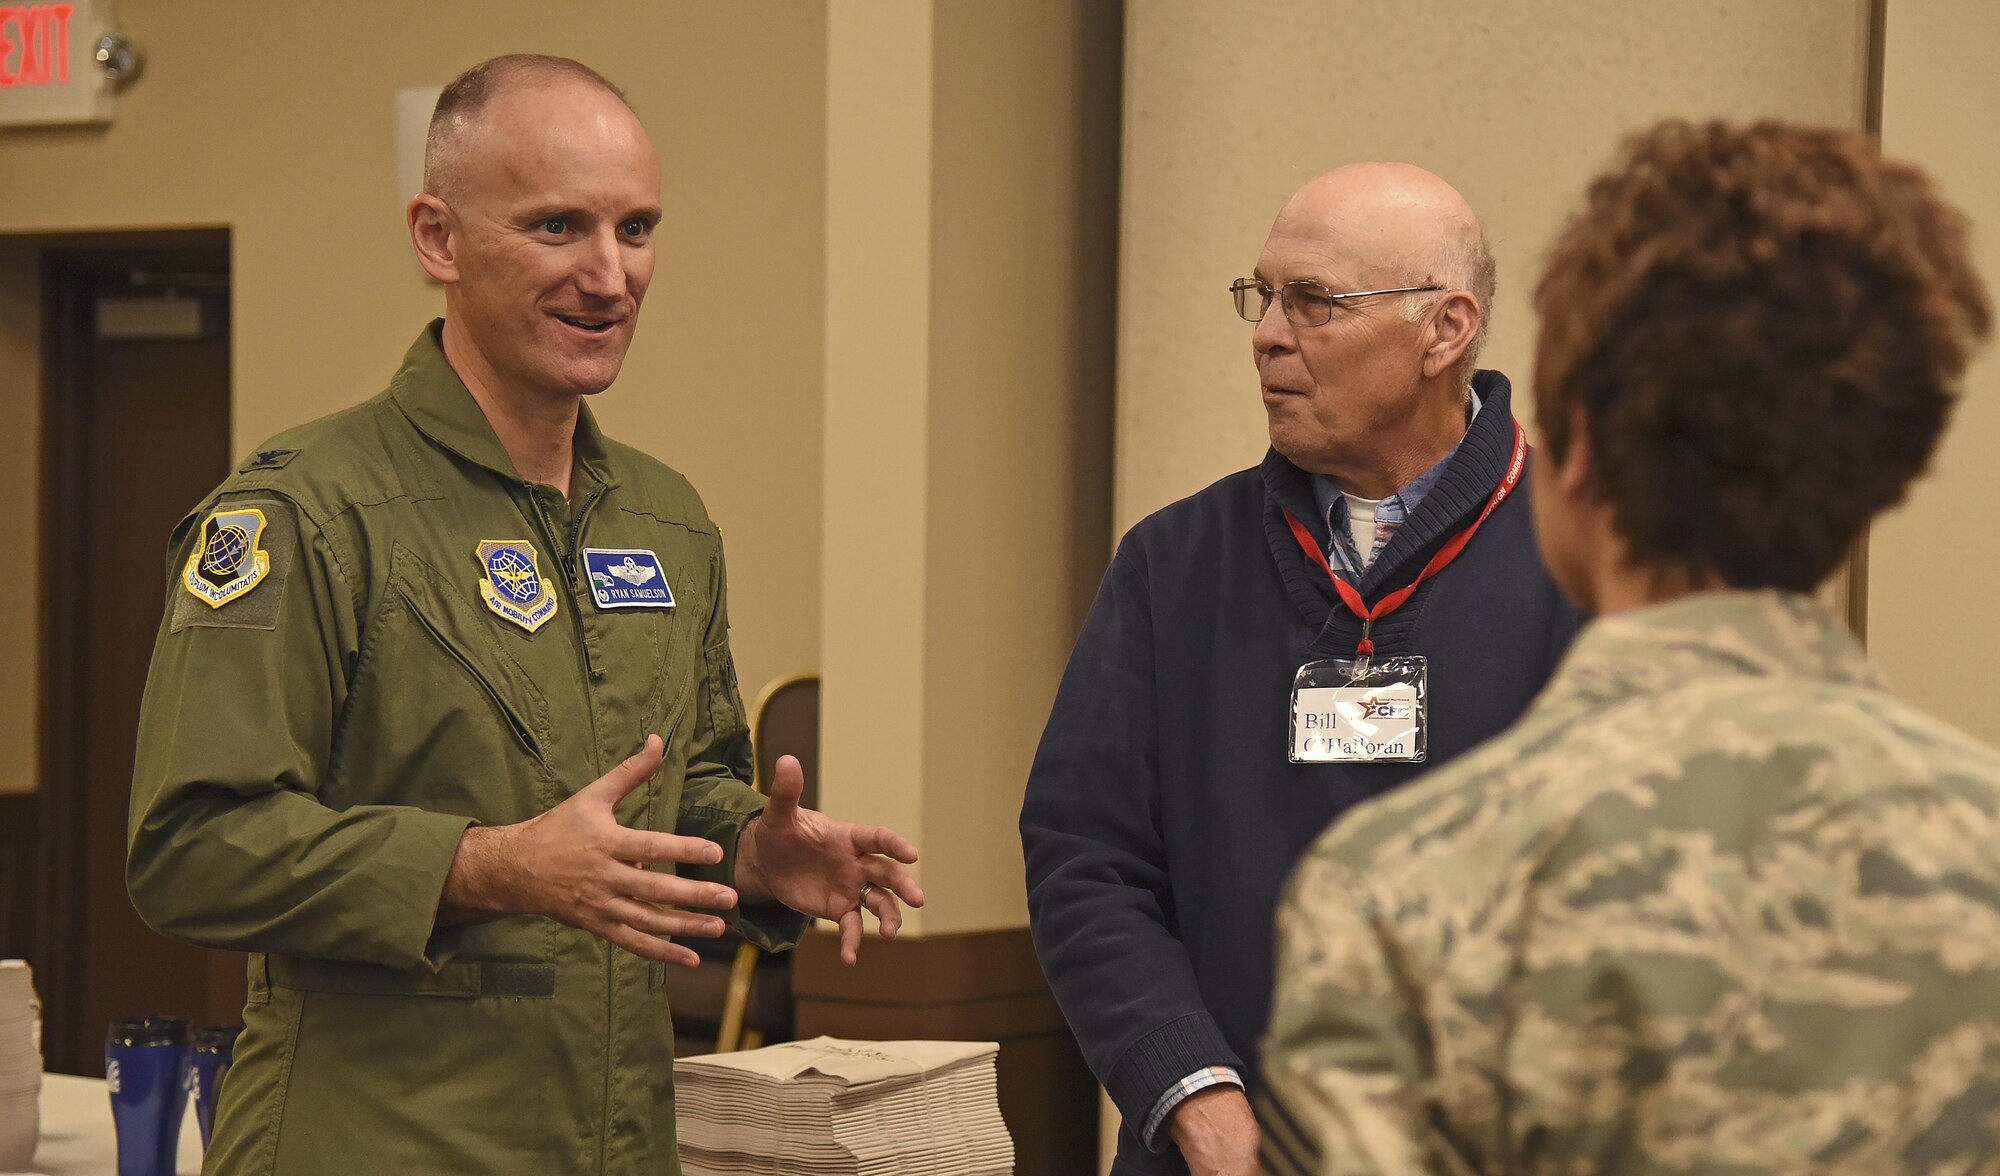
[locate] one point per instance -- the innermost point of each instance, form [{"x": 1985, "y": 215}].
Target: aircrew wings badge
[
  {"x": 513, "y": 586},
  {"x": 227, "y": 562}
]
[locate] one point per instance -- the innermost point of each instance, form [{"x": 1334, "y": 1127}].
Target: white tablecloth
[{"x": 77, "y": 1136}]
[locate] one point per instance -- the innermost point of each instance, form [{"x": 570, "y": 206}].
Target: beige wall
[
  {"x": 970, "y": 223},
  {"x": 1932, "y": 625},
  {"x": 872, "y": 715},
  {"x": 276, "y": 120},
  {"x": 1229, "y": 106},
  {"x": 20, "y": 484}
]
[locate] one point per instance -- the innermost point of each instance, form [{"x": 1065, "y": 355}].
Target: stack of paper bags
[
  {"x": 20, "y": 1066},
  {"x": 844, "y": 1108}
]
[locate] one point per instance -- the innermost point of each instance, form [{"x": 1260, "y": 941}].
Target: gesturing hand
[
  {"x": 819, "y": 866},
  {"x": 576, "y": 864}
]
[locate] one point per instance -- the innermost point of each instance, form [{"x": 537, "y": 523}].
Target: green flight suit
[{"x": 312, "y": 746}]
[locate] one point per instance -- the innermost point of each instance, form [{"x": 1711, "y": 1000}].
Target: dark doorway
[{"x": 136, "y": 431}]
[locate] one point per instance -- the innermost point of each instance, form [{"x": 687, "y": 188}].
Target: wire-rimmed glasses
[{"x": 1306, "y": 302}]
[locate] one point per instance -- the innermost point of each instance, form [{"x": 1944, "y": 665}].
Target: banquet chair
[{"x": 740, "y": 994}]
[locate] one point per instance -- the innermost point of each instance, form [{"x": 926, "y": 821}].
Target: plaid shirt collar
[{"x": 1390, "y": 514}]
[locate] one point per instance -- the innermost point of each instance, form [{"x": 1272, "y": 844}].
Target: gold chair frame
[{"x": 731, "y": 1035}]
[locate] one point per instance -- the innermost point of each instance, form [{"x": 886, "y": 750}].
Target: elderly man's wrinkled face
[
  {"x": 555, "y": 242},
  {"x": 1331, "y": 391}
]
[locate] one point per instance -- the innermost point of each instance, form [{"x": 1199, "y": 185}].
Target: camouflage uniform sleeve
[
  {"x": 1342, "y": 1062},
  {"x": 1734, "y": 964}
]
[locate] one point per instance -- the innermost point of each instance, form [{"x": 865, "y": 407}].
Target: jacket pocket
[
  {"x": 431, "y": 606},
  {"x": 461, "y": 979},
  {"x": 515, "y": 723},
  {"x": 453, "y": 723}
]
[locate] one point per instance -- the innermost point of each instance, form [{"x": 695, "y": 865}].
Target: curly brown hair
[{"x": 1764, "y": 327}]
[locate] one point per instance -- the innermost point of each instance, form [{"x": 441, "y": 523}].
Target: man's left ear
[
  {"x": 430, "y": 225},
  {"x": 1454, "y": 326}
]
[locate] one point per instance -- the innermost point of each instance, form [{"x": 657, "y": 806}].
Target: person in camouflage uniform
[{"x": 1719, "y": 902}]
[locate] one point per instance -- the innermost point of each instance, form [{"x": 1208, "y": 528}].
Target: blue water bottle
[
  {"x": 213, "y": 1050},
  {"x": 146, "y": 1065}
]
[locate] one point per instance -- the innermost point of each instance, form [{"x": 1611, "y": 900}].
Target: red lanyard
[{"x": 1444, "y": 556}]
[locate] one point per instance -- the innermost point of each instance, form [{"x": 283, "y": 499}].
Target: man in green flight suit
[
  {"x": 1719, "y": 903},
  {"x": 442, "y": 724}
]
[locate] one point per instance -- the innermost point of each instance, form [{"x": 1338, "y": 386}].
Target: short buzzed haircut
[{"x": 468, "y": 94}]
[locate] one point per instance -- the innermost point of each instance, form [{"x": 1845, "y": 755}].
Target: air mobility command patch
[
  {"x": 513, "y": 586},
  {"x": 240, "y": 548}
]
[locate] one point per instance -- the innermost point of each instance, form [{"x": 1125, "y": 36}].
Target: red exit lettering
[{"x": 40, "y": 32}]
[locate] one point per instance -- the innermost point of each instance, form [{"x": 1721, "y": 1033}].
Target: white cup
[{"x": 20, "y": 1066}]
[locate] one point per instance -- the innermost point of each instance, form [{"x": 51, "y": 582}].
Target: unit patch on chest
[
  {"x": 513, "y": 587},
  {"x": 623, "y": 577}
]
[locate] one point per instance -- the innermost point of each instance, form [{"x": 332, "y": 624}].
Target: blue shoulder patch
[
  {"x": 227, "y": 561},
  {"x": 237, "y": 560}
]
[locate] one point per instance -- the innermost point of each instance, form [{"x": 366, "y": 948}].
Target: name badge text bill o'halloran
[{"x": 1358, "y": 711}]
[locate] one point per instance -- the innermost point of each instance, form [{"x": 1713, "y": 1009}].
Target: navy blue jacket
[{"x": 1163, "y": 815}]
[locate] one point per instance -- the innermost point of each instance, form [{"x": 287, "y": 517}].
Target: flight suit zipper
[
  {"x": 576, "y": 532},
  {"x": 575, "y": 610},
  {"x": 566, "y": 556}
]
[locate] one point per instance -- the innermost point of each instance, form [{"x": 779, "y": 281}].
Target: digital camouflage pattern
[{"x": 1718, "y": 904}]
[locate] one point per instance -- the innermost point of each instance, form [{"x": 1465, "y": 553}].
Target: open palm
[{"x": 827, "y": 868}]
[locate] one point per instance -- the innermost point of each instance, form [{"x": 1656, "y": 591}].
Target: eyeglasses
[{"x": 1307, "y": 303}]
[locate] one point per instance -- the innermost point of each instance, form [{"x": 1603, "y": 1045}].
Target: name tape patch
[{"x": 622, "y": 577}]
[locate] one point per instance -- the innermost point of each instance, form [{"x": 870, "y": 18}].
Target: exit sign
[{"x": 48, "y": 67}]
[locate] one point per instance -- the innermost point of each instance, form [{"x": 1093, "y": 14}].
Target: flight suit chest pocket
[
  {"x": 645, "y": 655},
  {"x": 444, "y": 717}
]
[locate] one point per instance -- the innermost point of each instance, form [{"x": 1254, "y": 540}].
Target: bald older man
[
  {"x": 1282, "y": 645},
  {"x": 442, "y": 723}
]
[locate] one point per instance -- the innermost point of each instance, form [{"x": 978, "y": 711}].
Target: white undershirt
[{"x": 1361, "y": 526}]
